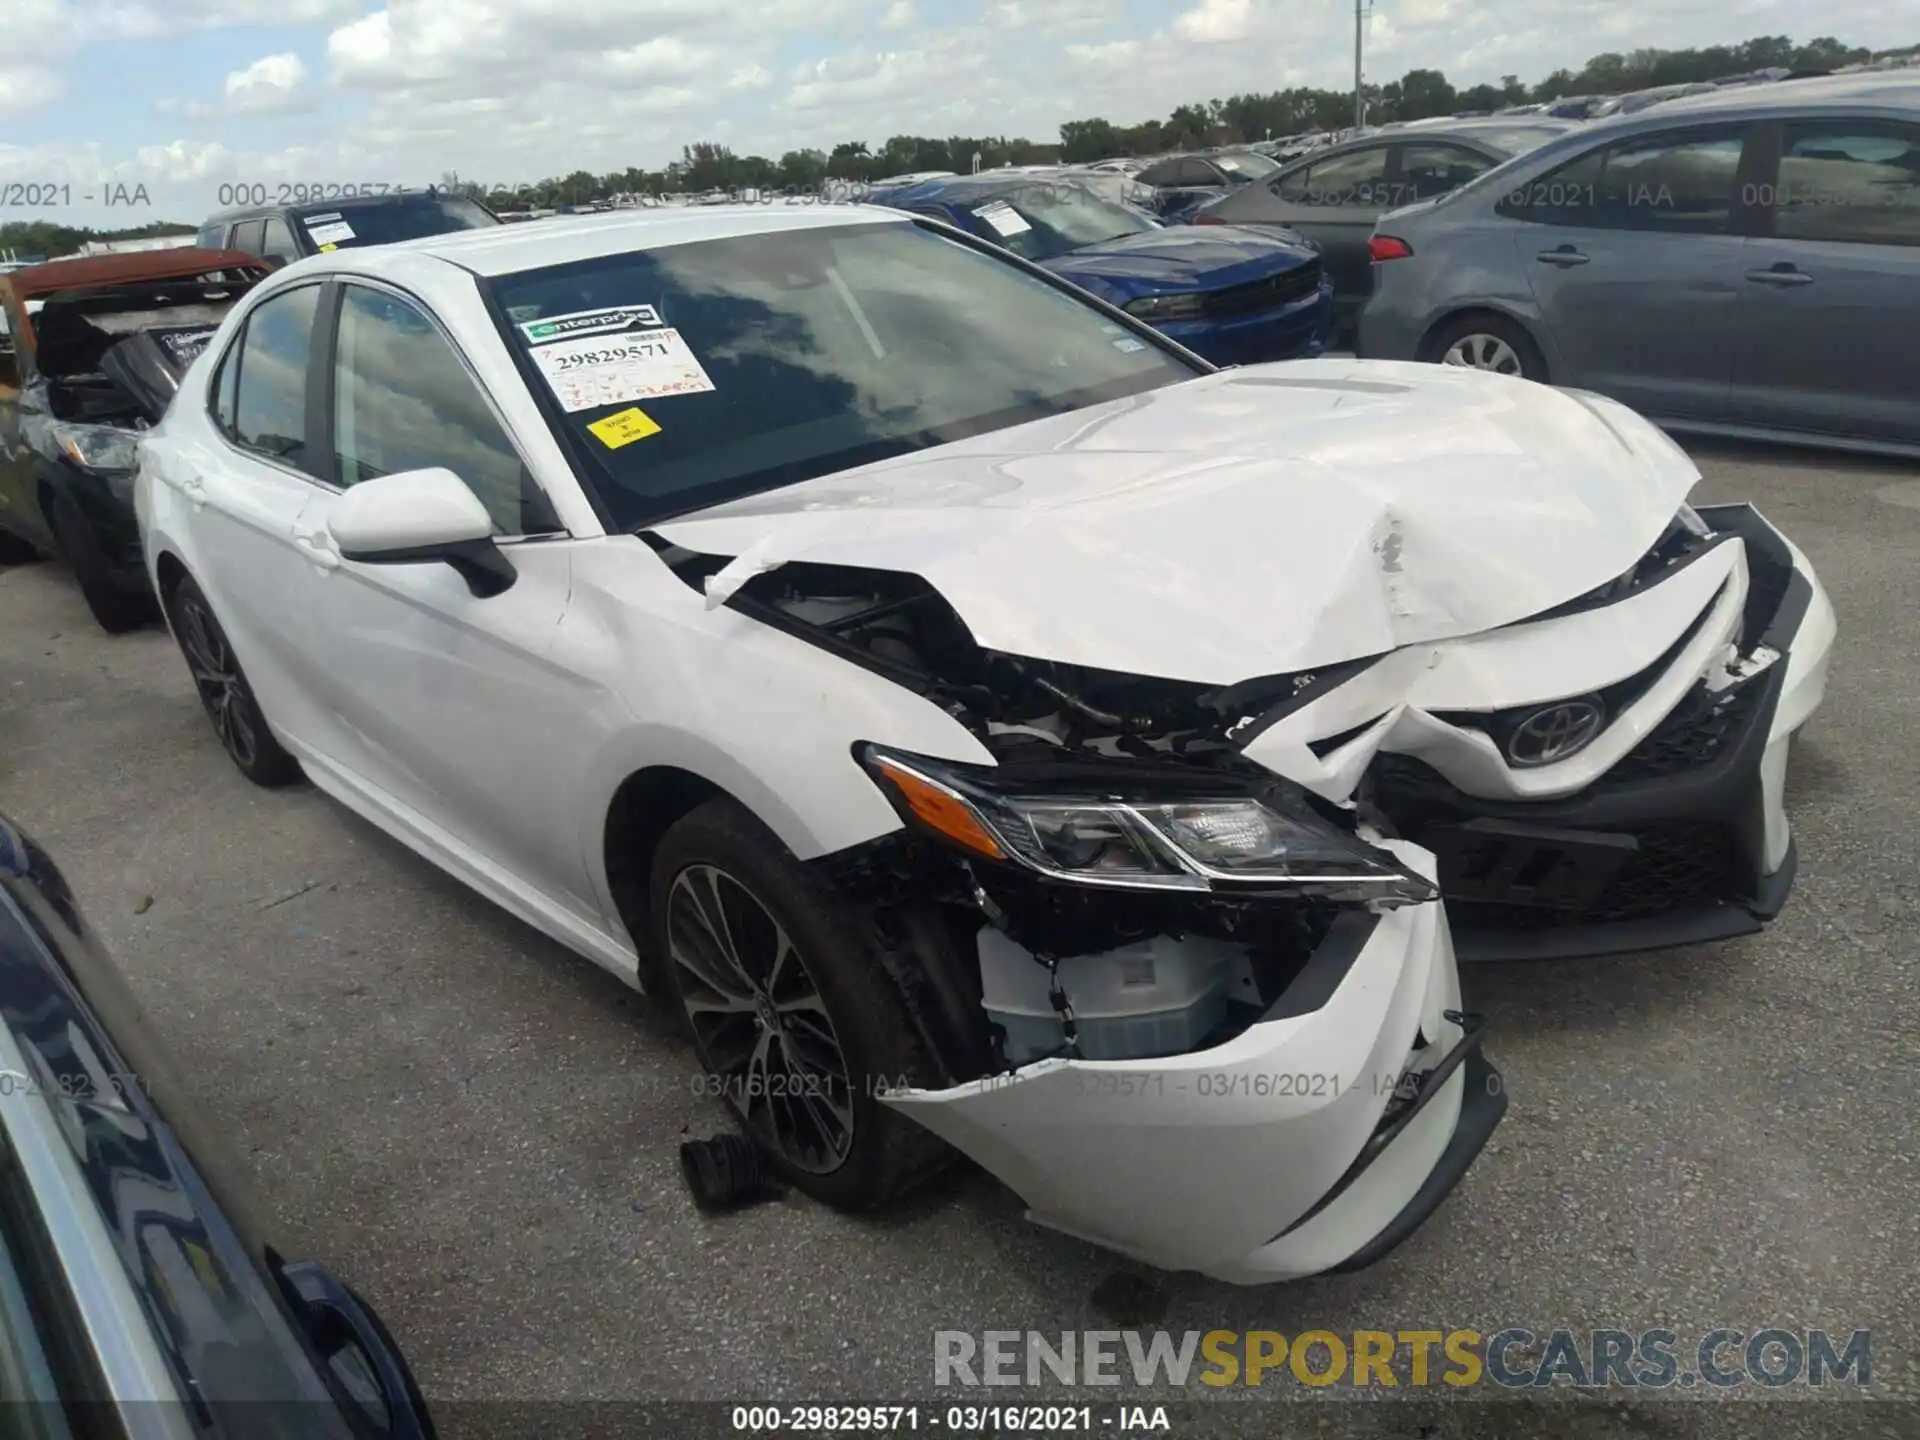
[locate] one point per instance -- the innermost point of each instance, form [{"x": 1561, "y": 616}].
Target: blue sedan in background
[{"x": 1232, "y": 296}]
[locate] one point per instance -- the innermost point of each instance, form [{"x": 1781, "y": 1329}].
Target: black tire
[
  {"x": 118, "y": 610},
  {"x": 1497, "y": 338},
  {"x": 802, "y": 1094},
  {"x": 15, "y": 551},
  {"x": 224, "y": 691}
]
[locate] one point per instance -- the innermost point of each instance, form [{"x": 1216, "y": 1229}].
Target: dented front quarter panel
[{"x": 1253, "y": 522}]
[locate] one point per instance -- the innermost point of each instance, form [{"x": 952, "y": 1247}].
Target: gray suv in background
[{"x": 1743, "y": 263}]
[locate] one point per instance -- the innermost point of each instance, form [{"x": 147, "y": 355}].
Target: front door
[{"x": 444, "y": 705}]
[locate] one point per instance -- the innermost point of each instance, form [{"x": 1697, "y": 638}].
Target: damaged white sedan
[{"x": 995, "y": 728}]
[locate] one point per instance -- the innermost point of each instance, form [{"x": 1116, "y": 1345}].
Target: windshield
[
  {"x": 693, "y": 374},
  {"x": 341, "y": 227},
  {"x": 1049, "y": 218},
  {"x": 1249, "y": 163},
  {"x": 1518, "y": 139}
]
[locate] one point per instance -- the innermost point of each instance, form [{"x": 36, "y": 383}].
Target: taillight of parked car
[{"x": 1388, "y": 247}]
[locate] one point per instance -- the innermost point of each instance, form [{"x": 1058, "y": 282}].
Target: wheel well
[
  {"x": 169, "y": 572},
  {"x": 644, "y": 808},
  {"x": 1429, "y": 342}
]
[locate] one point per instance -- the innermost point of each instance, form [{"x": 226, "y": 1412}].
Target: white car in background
[{"x": 960, "y": 701}]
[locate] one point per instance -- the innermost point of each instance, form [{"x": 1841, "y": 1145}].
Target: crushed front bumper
[
  {"x": 1311, "y": 1141},
  {"x": 1684, "y": 840}
]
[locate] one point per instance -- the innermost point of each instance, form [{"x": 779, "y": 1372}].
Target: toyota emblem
[{"x": 1556, "y": 732}]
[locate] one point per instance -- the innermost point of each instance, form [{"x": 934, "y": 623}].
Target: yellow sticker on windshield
[
  {"x": 624, "y": 427},
  {"x": 329, "y": 246}
]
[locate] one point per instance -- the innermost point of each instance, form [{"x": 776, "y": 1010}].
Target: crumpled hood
[
  {"x": 1183, "y": 257},
  {"x": 1252, "y": 522}
]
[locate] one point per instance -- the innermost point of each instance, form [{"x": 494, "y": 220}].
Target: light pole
[{"x": 1359, "y": 96}]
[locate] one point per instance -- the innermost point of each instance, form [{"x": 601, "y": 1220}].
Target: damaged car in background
[
  {"x": 100, "y": 344},
  {"x": 992, "y": 727}
]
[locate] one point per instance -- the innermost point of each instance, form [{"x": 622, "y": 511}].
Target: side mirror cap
[{"x": 417, "y": 517}]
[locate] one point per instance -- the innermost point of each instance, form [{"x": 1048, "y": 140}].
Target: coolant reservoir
[{"x": 1154, "y": 997}]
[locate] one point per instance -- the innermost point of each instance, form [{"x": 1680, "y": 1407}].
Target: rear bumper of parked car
[
  {"x": 1280, "y": 1153},
  {"x": 1684, "y": 840},
  {"x": 1297, "y": 330}
]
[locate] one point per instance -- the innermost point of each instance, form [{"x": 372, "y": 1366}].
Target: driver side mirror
[{"x": 419, "y": 517}]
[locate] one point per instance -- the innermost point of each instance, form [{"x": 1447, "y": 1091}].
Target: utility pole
[{"x": 1359, "y": 96}]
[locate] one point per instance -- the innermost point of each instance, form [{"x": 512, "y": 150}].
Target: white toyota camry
[{"x": 992, "y": 726}]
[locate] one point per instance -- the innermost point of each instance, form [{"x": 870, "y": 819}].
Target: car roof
[
  {"x": 1891, "y": 89},
  {"x": 297, "y": 207},
  {"x": 562, "y": 240}
]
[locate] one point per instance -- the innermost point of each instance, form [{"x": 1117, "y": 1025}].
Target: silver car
[{"x": 1743, "y": 263}]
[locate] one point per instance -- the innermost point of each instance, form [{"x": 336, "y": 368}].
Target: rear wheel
[
  {"x": 792, "y": 1012},
  {"x": 1489, "y": 342},
  {"x": 118, "y": 610},
  {"x": 236, "y": 715}
]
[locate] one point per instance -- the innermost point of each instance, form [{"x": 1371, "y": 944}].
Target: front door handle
[
  {"x": 1783, "y": 274},
  {"x": 192, "y": 487},
  {"x": 1563, "y": 256},
  {"x": 318, "y": 546}
]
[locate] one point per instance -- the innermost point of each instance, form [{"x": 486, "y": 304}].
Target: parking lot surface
[{"x": 480, "y": 1130}]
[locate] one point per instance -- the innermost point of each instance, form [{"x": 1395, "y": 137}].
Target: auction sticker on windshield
[
  {"x": 588, "y": 373},
  {"x": 328, "y": 229},
  {"x": 1004, "y": 219}
]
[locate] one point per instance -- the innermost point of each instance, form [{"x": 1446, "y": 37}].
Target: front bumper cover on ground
[{"x": 1289, "y": 1150}]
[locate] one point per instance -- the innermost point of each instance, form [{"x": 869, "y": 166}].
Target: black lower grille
[
  {"x": 1695, "y": 733},
  {"x": 1266, "y": 294},
  {"x": 1676, "y": 865}
]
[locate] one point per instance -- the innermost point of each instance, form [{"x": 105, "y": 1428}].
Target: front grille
[
  {"x": 1696, "y": 733},
  {"x": 1677, "y": 865},
  {"x": 1267, "y": 294}
]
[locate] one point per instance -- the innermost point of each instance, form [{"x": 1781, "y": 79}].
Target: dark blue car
[{"x": 1233, "y": 296}]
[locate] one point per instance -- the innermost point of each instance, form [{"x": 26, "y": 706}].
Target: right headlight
[{"x": 1166, "y": 835}]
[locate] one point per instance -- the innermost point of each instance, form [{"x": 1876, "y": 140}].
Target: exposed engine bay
[{"x": 115, "y": 357}]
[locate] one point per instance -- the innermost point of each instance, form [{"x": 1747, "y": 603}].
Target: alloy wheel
[
  {"x": 759, "y": 1019},
  {"x": 217, "y": 676},
  {"x": 1483, "y": 352}
]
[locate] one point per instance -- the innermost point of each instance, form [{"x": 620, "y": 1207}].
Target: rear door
[
  {"x": 1634, "y": 258},
  {"x": 1829, "y": 334}
]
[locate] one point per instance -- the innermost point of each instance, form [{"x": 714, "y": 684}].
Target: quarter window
[
  {"x": 404, "y": 401},
  {"x": 270, "y": 401},
  {"x": 1847, "y": 180}
]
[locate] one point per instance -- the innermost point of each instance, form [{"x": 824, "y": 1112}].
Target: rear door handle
[
  {"x": 1564, "y": 256},
  {"x": 318, "y": 547},
  {"x": 1785, "y": 273}
]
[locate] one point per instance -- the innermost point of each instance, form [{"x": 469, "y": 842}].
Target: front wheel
[
  {"x": 1489, "y": 342},
  {"x": 224, "y": 690},
  {"x": 793, "y": 1015}
]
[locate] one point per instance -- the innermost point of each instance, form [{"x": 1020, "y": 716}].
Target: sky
[{"x": 118, "y": 112}]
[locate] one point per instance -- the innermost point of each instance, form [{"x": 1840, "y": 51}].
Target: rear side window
[
  {"x": 1677, "y": 184},
  {"x": 270, "y": 404},
  {"x": 1340, "y": 181},
  {"x": 1854, "y": 181}
]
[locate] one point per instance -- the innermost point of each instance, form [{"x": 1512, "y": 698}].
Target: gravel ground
[{"x": 479, "y": 1129}]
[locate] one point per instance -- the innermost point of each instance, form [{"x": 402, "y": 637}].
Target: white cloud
[
  {"x": 270, "y": 85},
  {"x": 183, "y": 160},
  {"x": 897, "y": 16},
  {"x": 1212, "y": 22}
]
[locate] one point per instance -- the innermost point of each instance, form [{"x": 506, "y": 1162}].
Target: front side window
[
  {"x": 689, "y": 375},
  {"x": 1431, "y": 169},
  {"x": 1356, "y": 178},
  {"x": 250, "y": 237},
  {"x": 1854, "y": 181},
  {"x": 270, "y": 401},
  {"x": 277, "y": 243},
  {"x": 403, "y": 401}
]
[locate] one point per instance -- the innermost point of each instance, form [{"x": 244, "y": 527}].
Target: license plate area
[{"x": 1509, "y": 863}]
